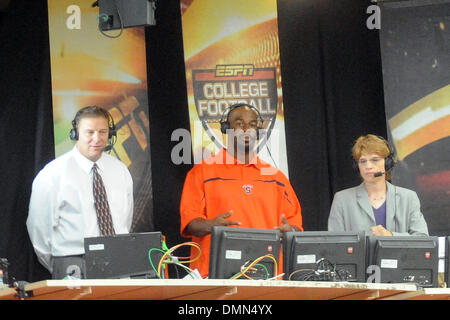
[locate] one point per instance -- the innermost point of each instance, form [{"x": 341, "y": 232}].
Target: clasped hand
[{"x": 379, "y": 230}]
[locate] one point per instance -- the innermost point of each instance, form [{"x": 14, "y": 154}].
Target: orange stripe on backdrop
[{"x": 432, "y": 132}]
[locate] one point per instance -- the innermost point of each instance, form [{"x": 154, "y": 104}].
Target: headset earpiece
[
  {"x": 73, "y": 134},
  {"x": 112, "y": 128},
  {"x": 224, "y": 126},
  {"x": 389, "y": 161}
]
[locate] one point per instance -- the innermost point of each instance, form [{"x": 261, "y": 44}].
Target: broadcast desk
[{"x": 213, "y": 289}]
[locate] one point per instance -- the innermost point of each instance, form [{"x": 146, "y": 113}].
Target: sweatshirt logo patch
[{"x": 248, "y": 188}]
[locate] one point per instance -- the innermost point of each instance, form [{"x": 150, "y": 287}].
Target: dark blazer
[{"x": 351, "y": 211}]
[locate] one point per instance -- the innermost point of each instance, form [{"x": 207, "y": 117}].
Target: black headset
[
  {"x": 112, "y": 133},
  {"x": 389, "y": 161},
  {"x": 225, "y": 123}
]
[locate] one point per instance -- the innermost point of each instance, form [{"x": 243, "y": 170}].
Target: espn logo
[{"x": 233, "y": 70}]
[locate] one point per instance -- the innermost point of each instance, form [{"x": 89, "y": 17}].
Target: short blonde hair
[{"x": 372, "y": 144}]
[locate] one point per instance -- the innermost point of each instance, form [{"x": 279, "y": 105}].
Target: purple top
[{"x": 380, "y": 215}]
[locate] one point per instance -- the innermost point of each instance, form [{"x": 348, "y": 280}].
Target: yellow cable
[
  {"x": 168, "y": 252},
  {"x": 243, "y": 272}
]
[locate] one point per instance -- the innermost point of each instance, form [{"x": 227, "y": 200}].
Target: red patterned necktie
[{"x": 101, "y": 205}]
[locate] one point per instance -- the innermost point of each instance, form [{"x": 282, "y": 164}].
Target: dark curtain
[
  {"x": 332, "y": 90},
  {"x": 168, "y": 112},
  {"x": 333, "y": 93},
  {"x": 26, "y": 127}
]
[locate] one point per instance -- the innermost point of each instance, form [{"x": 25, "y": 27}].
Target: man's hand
[
  {"x": 221, "y": 220},
  {"x": 285, "y": 226},
  {"x": 379, "y": 230},
  {"x": 201, "y": 227}
]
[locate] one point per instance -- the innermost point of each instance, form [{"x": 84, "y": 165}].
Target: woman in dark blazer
[{"x": 376, "y": 206}]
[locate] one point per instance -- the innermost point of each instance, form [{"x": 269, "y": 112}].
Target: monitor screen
[
  {"x": 406, "y": 259},
  {"x": 244, "y": 253},
  {"x": 324, "y": 256}
]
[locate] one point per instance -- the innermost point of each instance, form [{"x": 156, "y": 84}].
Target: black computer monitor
[
  {"x": 406, "y": 259},
  {"x": 123, "y": 255},
  {"x": 324, "y": 256},
  {"x": 234, "y": 253}
]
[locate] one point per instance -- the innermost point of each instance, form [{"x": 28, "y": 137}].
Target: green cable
[
  {"x": 164, "y": 250},
  {"x": 164, "y": 246},
  {"x": 265, "y": 268},
  {"x": 150, "y": 259}
]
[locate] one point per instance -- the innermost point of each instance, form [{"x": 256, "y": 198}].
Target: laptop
[{"x": 123, "y": 256}]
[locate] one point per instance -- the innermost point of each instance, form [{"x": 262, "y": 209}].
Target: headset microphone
[
  {"x": 108, "y": 148},
  {"x": 378, "y": 174}
]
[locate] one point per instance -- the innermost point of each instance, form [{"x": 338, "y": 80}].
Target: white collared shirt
[{"x": 61, "y": 211}]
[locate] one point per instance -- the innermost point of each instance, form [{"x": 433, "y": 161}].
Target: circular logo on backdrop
[{"x": 217, "y": 89}]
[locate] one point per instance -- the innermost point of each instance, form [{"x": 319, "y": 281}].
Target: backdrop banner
[
  {"x": 232, "y": 55},
  {"x": 108, "y": 69},
  {"x": 415, "y": 46}
]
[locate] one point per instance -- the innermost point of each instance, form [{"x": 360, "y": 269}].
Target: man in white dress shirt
[{"x": 61, "y": 211}]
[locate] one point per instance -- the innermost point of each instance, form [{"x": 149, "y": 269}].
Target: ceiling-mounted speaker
[{"x": 121, "y": 14}]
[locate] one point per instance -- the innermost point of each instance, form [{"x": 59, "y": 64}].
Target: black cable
[
  {"x": 120, "y": 19},
  {"x": 324, "y": 271},
  {"x": 270, "y": 154},
  {"x": 268, "y": 150},
  {"x": 177, "y": 273}
]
